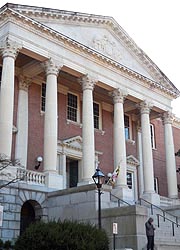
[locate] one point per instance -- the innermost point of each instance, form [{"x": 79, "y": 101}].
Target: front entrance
[{"x": 72, "y": 170}]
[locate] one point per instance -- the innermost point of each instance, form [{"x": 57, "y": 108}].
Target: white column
[
  {"x": 170, "y": 156},
  {"x": 50, "y": 119},
  {"x": 88, "y": 158},
  {"x": 147, "y": 148},
  {"x": 140, "y": 172},
  {"x": 119, "y": 137},
  {"x": 9, "y": 54},
  {"x": 22, "y": 122}
]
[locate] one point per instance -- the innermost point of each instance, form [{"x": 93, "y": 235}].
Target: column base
[
  {"x": 123, "y": 193},
  {"x": 53, "y": 180},
  {"x": 153, "y": 198}
]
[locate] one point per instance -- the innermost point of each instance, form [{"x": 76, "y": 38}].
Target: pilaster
[{"x": 22, "y": 121}]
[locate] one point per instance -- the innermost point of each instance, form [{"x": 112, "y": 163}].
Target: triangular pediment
[
  {"x": 100, "y": 34},
  {"x": 73, "y": 142},
  {"x": 131, "y": 160}
]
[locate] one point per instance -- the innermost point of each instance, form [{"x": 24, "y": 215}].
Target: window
[
  {"x": 43, "y": 96},
  {"x": 96, "y": 115},
  {"x": 130, "y": 180},
  {"x": 72, "y": 107},
  {"x": 152, "y": 136},
  {"x": 156, "y": 185},
  {"x": 127, "y": 127}
]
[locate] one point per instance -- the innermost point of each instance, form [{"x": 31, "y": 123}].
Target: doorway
[
  {"x": 30, "y": 212},
  {"x": 72, "y": 172}
]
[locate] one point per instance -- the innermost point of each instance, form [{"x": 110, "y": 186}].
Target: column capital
[
  {"x": 138, "y": 126},
  {"x": 145, "y": 107},
  {"x": 87, "y": 82},
  {"x": 10, "y": 49},
  {"x": 167, "y": 117},
  {"x": 24, "y": 83},
  {"x": 118, "y": 95},
  {"x": 52, "y": 67}
]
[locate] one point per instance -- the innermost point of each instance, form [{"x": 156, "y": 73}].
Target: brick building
[{"x": 79, "y": 93}]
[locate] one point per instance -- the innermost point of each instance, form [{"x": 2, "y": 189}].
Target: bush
[
  {"x": 7, "y": 245},
  {"x": 65, "y": 235}
]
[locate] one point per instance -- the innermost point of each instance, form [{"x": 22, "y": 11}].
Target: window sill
[{"x": 78, "y": 124}]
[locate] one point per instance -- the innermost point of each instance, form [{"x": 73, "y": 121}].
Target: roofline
[{"x": 175, "y": 93}]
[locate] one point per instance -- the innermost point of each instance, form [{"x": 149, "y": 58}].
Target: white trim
[
  {"x": 78, "y": 107},
  {"x": 153, "y": 143},
  {"x": 100, "y": 115},
  {"x": 130, "y": 127}
]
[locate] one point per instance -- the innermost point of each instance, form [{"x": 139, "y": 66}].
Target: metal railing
[
  {"x": 163, "y": 211},
  {"x": 165, "y": 218},
  {"x": 163, "y": 215},
  {"x": 119, "y": 200}
]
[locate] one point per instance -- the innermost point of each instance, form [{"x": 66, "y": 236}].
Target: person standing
[{"x": 150, "y": 234}]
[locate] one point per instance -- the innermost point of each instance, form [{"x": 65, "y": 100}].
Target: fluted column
[
  {"x": 50, "y": 120},
  {"x": 119, "y": 137},
  {"x": 147, "y": 148},
  {"x": 22, "y": 122},
  {"x": 9, "y": 54},
  {"x": 170, "y": 156},
  {"x": 88, "y": 159}
]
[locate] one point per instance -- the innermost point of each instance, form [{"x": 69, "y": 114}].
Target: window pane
[
  {"x": 126, "y": 127},
  {"x": 43, "y": 96},
  {"x": 129, "y": 180},
  {"x": 72, "y": 107},
  {"x": 152, "y": 136},
  {"x": 96, "y": 115}
]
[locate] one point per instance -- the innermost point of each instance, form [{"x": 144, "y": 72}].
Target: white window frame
[
  {"x": 130, "y": 127},
  {"x": 156, "y": 186},
  {"x": 152, "y": 131},
  {"x": 100, "y": 115},
  {"x": 78, "y": 108},
  {"x": 133, "y": 171},
  {"x": 43, "y": 107}
]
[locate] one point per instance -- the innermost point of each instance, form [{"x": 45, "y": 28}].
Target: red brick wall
[
  {"x": 103, "y": 142},
  {"x": 35, "y": 126}
]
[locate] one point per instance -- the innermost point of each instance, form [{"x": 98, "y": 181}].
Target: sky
[{"x": 154, "y": 25}]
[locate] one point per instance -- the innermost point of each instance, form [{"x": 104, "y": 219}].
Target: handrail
[
  {"x": 163, "y": 211},
  {"x": 165, "y": 218},
  {"x": 119, "y": 200}
]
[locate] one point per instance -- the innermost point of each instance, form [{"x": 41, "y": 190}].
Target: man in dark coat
[{"x": 150, "y": 234}]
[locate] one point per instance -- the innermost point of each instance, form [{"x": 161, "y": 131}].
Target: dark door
[
  {"x": 27, "y": 216},
  {"x": 73, "y": 173}
]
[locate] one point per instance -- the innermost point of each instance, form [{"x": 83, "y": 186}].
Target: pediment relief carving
[
  {"x": 33, "y": 18},
  {"x": 106, "y": 45},
  {"x": 74, "y": 142},
  {"x": 131, "y": 160}
]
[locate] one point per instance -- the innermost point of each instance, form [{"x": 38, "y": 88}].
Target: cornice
[
  {"x": 166, "y": 88},
  {"x": 176, "y": 122},
  {"x": 109, "y": 22}
]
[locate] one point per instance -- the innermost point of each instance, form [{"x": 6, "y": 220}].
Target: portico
[{"x": 118, "y": 88}]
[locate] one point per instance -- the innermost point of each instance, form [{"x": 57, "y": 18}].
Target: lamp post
[{"x": 98, "y": 179}]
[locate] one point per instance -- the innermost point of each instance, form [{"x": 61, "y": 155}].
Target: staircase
[{"x": 167, "y": 224}]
